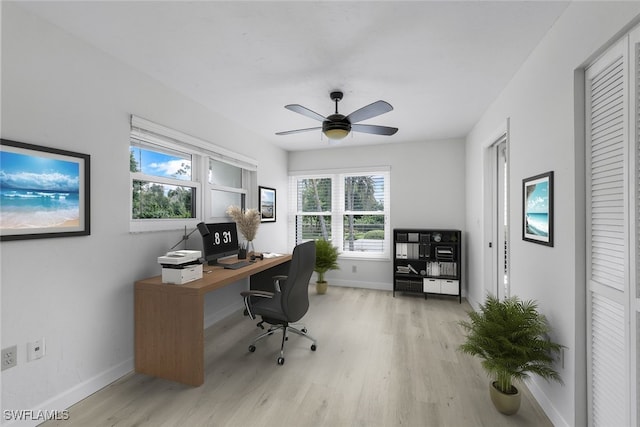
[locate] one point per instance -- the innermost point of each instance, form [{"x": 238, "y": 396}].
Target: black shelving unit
[{"x": 427, "y": 261}]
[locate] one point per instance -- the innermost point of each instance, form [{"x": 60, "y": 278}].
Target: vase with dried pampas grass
[{"x": 248, "y": 222}]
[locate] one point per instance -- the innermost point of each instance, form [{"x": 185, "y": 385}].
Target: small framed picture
[
  {"x": 537, "y": 209},
  {"x": 44, "y": 192},
  {"x": 267, "y": 203}
]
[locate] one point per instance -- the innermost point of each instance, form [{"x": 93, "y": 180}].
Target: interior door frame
[{"x": 493, "y": 255}]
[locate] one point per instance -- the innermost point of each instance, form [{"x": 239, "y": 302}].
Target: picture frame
[
  {"x": 267, "y": 204},
  {"x": 44, "y": 191},
  {"x": 537, "y": 209}
]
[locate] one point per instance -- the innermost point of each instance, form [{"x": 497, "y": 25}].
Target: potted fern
[
  {"x": 326, "y": 259},
  {"x": 510, "y": 337}
]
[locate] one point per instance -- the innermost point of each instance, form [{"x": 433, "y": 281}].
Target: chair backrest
[{"x": 295, "y": 295}]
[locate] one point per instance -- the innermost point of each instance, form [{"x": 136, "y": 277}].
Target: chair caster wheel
[
  {"x": 252, "y": 348},
  {"x": 280, "y": 360},
  {"x": 313, "y": 347}
]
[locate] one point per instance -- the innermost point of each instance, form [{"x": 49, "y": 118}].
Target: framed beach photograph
[
  {"x": 267, "y": 203},
  {"x": 44, "y": 192},
  {"x": 537, "y": 209}
]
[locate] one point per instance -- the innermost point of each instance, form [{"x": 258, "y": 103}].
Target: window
[
  {"x": 178, "y": 180},
  {"x": 226, "y": 187},
  {"x": 162, "y": 183},
  {"x": 349, "y": 208}
]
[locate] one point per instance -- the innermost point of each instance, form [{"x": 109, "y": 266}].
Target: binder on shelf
[
  {"x": 424, "y": 251},
  {"x": 401, "y": 250},
  {"x": 412, "y": 251}
]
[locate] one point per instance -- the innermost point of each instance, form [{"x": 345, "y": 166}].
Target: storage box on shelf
[{"x": 427, "y": 261}]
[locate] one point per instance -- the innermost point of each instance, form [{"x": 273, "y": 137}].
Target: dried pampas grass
[{"x": 248, "y": 221}]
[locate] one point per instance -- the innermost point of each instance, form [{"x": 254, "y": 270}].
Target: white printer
[{"x": 180, "y": 267}]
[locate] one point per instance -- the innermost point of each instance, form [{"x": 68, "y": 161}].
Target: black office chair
[{"x": 289, "y": 301}]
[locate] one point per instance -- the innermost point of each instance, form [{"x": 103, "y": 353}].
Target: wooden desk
[{"x": 169, "y": 319}]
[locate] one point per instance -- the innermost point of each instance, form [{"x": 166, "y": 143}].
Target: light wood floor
[{"x": 381, "y": 361}]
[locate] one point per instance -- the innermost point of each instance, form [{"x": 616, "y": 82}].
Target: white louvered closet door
[{"x": 611, "y": 203}]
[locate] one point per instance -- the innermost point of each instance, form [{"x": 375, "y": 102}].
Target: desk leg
[{"x": 169, "y": 335}]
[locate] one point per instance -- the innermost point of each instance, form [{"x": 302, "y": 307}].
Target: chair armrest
[
  {"x": 276, "y": 281},
  {"x": 247, "y": 299},
  {"x": 263, "y": 294}
]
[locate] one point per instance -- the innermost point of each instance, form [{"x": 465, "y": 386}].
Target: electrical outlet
[
  {"x": 35, "y": 350},
  {"x": 9, "y": 357}
]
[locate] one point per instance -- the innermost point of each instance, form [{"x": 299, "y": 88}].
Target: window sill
[
  {"x": 363, "y": 257},
  {"x": 145, "y": 226}
]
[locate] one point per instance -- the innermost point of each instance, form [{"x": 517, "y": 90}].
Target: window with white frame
[
  {"x": 349, "y": 208},
  {"x": 163, "y": 186},
  {"x": 178, "y": 180}
]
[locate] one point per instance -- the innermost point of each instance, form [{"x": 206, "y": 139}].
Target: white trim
[
  {"x": 379, "y": 286},
  {"x": 216, "y": 316},
  {"x": 139, "y": 176},
  {"x": 634, "y": 220},
  {"x": 156, "y": 135},
  {"x": 149, "y": 225},
  {"x": 490, "y": 254},
  {"x": 79, "y": 392},
  {"x": 345, "y": 171},
  {"x": 546, "y": 404},
  {"x": 338, "y": 210},
  {"x": 141, "y": 125}
]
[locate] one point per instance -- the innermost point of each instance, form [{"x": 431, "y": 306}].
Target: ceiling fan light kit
[{"x": 336, "y": 126}]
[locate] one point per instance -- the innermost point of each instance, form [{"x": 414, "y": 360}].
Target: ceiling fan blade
[
  {"x": 297, "y": 108},
  {"x": 369, "y": 111},
  {"x": 289, "y": 132},
  {"x": 374, "y": 129}
]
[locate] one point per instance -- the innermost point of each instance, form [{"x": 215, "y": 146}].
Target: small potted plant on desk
[
  {"x": 510, "y": 337},
  {"x": 326, "y": 259}
]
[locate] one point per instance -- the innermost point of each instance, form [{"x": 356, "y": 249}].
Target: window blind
[{"x": 348, "y": 207}]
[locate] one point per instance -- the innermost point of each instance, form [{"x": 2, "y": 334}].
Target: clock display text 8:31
[{"x": 226, "y": 237}]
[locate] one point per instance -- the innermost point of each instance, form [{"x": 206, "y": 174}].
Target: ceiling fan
[{"x": 336, "y": 126}]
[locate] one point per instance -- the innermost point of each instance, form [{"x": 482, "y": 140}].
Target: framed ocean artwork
[
  {"x": 44, "y": 192},
  {"x": 537, "y": 209},
  {"x": 267, "y": 204}
]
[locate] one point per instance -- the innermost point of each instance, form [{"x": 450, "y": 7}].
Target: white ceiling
[{"x": 440, "y": 64}]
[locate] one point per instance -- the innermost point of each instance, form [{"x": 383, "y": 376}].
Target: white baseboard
[
  {"x": 547, "y": 405},
  {"x": 75, "y": 394},
  {"x": 81, "y": 391},
  {"x": 379, "y": 286},
  {"x": 212, "y": 318}
]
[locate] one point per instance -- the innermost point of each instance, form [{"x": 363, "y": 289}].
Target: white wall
[
  {"x": 427, "y": 191},
  {"x": 77, "y": 292},
  {"x": 539, "y": 101}
]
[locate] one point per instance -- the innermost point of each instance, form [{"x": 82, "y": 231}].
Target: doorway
[{"x": 497, "y": 197}]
